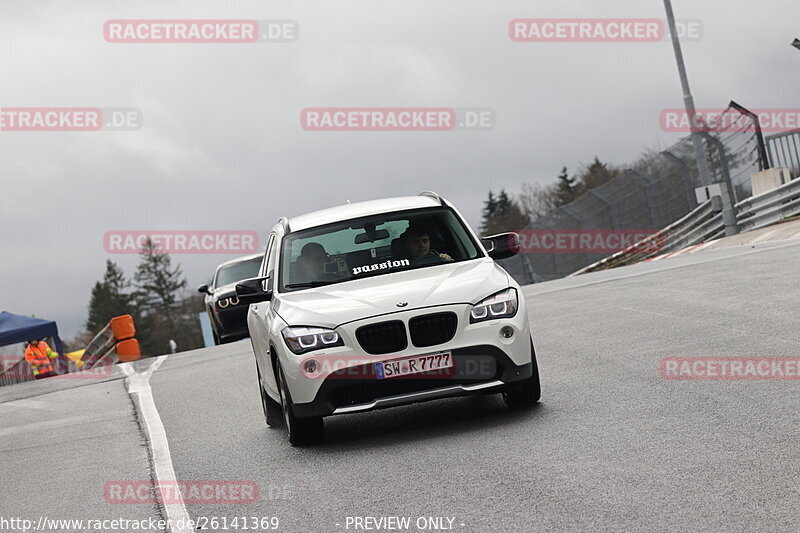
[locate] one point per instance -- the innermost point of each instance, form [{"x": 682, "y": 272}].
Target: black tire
[
  {"x": 301, "y": 431},
  {"x": 216, "y": 337},
  {"x": 527, "y": 392},
  {"x": 272, "y": 410}
]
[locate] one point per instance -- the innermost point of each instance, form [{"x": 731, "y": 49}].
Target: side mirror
[
  {"x": 203, "y": 289},
  {"x": 251, "y": 291},
  {"x": 502, "y": 245}
]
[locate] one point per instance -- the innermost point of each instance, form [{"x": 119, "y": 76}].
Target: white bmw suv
[{"x": 382, "y": 303}]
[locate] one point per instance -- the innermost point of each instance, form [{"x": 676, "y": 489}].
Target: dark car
[{"x": 228, "y": 315}]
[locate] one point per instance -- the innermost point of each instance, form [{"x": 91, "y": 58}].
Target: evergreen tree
[
  {"x": 109, "y": 298},
  {"x": 503, "y": 204},
  {"x": 567, "y": 190},
  {"x": 595, "y": 175},
  {"x": 165, "y": 313},
  {"x": 506, "y": 215},
  {"x": 100, "y": 308},
  {"x": 157, "y": 283},
  {"x": 489, "y": 209}
]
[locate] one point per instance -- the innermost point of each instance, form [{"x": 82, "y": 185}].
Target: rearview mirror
[
  {"x": 502, "y": 245},
  {"x": 203, "y": 289},
  {"x": 252, "y": 291},
  {"x": 375, "y": 235}
]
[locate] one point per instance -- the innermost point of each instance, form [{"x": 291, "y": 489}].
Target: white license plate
[{"x": 413, "y": 365}]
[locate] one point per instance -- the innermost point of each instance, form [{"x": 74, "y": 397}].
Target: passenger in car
[{"x": 417, "y": 242}]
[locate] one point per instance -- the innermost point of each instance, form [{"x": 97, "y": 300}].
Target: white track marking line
[
  {"x": 766, "y": 235},
  {"x": 703, "y": 246},
  {"x": 28, "y": 403},
  {"x": 139, "y": 384},
  {"x": 690, "y": 250},
  {"x": 685, "y": 250},
  {"x": 670, "y": 254}
]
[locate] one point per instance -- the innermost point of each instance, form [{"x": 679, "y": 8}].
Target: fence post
[
  {"x": 687, "y": 178},
  {"x": 645, "y": 186},
  {"x": 728, "y": 199}
]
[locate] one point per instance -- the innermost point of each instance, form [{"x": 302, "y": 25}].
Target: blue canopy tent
[{"x": 19, "y": 328}]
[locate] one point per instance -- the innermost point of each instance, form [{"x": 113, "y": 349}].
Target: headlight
[
  {"x": 305, "y": 339},
  {"x": 222, "y": 303},
  {"x": 501, "y": 305}
]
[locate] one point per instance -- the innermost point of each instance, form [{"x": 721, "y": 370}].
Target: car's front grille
[
  {"x": 384, "y": 337},
  {"x": 430, "y": 330}
]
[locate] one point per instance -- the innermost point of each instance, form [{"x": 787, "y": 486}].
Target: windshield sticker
[{"x": 381, "y": 266}]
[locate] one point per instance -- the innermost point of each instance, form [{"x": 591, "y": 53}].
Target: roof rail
[
  {"x": 431, "y": 194},
  {"x": 283, "y": 221}
]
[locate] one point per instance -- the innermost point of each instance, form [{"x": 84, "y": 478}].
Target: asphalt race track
[{"x": 612, "y": 445}]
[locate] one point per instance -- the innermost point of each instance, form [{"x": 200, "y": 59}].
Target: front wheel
[
  {"x": 301, "y": 431},
  {"x": 527, "y": 392}
]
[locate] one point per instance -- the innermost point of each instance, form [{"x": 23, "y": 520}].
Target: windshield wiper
[{"x": 309, "y": 284}]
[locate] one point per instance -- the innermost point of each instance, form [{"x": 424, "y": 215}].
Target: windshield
[
  {"x": 375, "y": 245},
  {"x": 237, "y": 272}
]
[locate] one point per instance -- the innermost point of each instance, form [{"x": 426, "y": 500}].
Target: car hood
[
  {"x": 225, "y": 291},
  {"x": 333, "y": 305}
]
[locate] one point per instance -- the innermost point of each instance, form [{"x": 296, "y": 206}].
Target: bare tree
[{"x": 537, "y": 201}]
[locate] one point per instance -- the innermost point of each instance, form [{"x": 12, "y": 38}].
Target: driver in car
[
  {"x": 418, "y": 246},
  {"x": 311, "y": 263}
]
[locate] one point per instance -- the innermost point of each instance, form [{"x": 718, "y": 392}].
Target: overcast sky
[{"x": 221, "y": 147}]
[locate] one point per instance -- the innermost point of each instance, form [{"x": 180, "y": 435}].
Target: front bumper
[
  {"x": 232, "y": 322},
  {"x": 477, "y": 369}
]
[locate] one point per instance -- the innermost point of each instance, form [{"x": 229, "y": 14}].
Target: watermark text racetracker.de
[
  {"x": 69, "y": 118},
  {"x": 730, "y": 368},
  {"x": 396, "y": 119},
  {"x": 190, "y": 31},
  {"x": 150, "y": 524},
  {"x": 17, "y": 368},
  {"x": 606, "y": 30},
  {"x": 182, "y": 241},
  {"x": 188, "y": 491},
  {"x": 776, "y": 120},
  {"x": 565, "y": 241}
]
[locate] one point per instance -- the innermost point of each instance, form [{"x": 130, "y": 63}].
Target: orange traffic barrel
[
  {"x": 122, "y": 327},
  {"x": 128, "y": 350}
]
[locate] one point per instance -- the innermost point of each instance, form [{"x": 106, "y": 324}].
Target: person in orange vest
[{"x": 38, "y": 354}]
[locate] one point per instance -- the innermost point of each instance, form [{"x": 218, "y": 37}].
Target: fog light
[
  {"x": 506, "y": 332},
  {"x": 310, "y": 366}
]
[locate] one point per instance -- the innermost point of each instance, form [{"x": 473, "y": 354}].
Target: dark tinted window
[{"x": 237, "y": 272}]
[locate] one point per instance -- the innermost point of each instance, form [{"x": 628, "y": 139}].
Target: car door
[{"x": 259, "y": 318}]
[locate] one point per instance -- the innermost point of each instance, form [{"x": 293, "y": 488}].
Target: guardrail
[
  {"x": 705, "y": 223},
  {"x": 701, "y": 224},
  {"x": 16, "y": 373},
  {"x": 115, "y": 343},
  {"x": 769, "y": 207}
]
